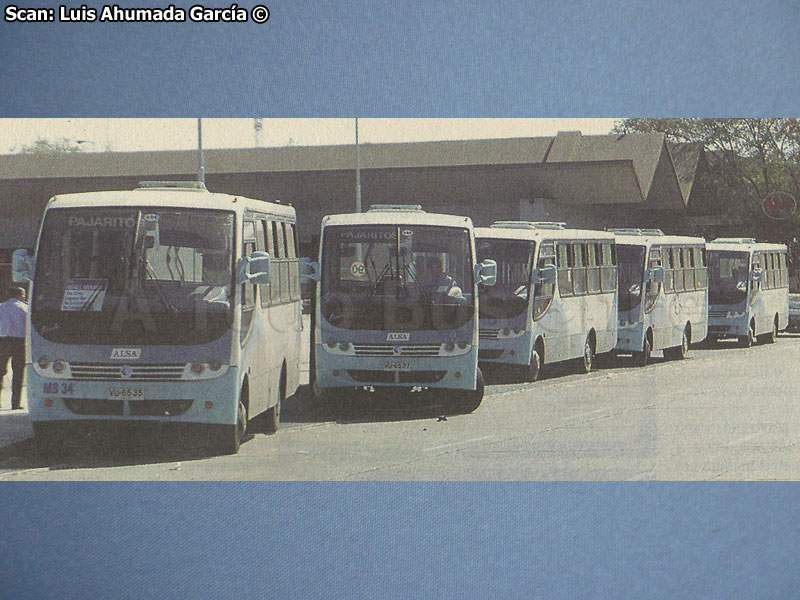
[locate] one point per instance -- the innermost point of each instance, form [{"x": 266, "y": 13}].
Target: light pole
[
  {"x": 358, "y": 172},
  {"x": 201, "y": 166}
]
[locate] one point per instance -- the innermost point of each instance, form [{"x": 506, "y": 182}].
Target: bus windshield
[
  {"x": 397, "y": 276},
  {"x": 509, "y": 297},
  {"x": 630, "y": 266},
  {"x": 728, "y": 273},
  {"x": 134, "y": 276}
]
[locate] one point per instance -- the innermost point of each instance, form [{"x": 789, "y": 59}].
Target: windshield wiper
[
  {"x": 159, "y": 292},
  {"x": 376, "y": 285}
]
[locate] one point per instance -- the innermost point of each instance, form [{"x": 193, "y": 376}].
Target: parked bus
[
  {"x": 397, "y": 304},
  {"x": 663, "y": 293},
  {"x": 555, "y": 298},
  {"x": 165, "y": 304},
  {"x": 748, "y": 290}
]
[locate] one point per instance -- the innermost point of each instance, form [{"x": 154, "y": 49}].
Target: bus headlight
[
  {"x": 453, "y": 348},
  {"x": 59, "y": 366},
  {"x": 449, "y": 347},
  {"x": 215, "y": 365},
  {"x": 43, "y": 362},
  {"x": 732, "y": 314},
  {"x": 198, "y": 368}
]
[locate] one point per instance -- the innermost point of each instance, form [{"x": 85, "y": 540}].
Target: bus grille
[
  {"x": 159, "y": 408},
  {"x": 149, "y": 372},
  {"x": 488, "y": 334},
  {"x": 419, "y": 350},
  {"x": 718, "y": 313},
  {"x": 94, "y": 406}
]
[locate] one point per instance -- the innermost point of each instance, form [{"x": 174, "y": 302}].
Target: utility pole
[
  {"x": 358, "y": 172},
  {"x": 201, "y": 166}
]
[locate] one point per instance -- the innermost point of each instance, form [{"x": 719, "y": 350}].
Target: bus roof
[
  {"x": 168, "y": 197},
  {"x": 743, "y": 245},
  {"x": 397, "y": 217},
  {"x": 502, "y": 233},
  {"x": 625, "y": 239}
]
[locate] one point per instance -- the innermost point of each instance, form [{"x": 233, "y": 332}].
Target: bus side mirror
[
  {"x": 656, "y": 275},
  {"x": 254, "y": 268},
  {"x": 22, "y": 266},
  {"x": 309, "y": 270},
  {"x": 755, "y": 276},
  {"x": 546, "y": 274},
  {"x": 486, "y": 272}
]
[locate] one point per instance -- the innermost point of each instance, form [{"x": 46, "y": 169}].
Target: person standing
[{"x": 13, "y": 315}]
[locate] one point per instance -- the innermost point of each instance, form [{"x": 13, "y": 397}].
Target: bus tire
[
  {"x": 640, "y": 359},
  {"x": 586, "y": 364},
  {"x": 747, "y": 341},
  {"x": 534, "y": 368},
  {"x": 467, "y": 401},
  {"x": 679, "y": 352},
  {"x": 272, "y": 418},
  {"x": 229, "y": 437},
  {"x": 772, "y": 336}
]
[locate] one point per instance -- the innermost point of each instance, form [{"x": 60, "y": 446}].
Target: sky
[{"x": 98, "y": 135}]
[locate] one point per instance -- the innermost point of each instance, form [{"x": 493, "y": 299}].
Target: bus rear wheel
[
  {"x": 586, "y": 364},
  {"x": 678, "y": 352},
  {"x": 272, "y": 418}
]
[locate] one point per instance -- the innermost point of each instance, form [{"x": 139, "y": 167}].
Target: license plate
[
  {"x": 394, "y": 365},
  {"x": 125, "y": 393}
]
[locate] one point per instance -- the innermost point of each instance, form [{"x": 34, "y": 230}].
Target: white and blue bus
[
  {"x": 555, "y": 298},
  {"x": 663, "y": 293},
  {"x": 397, "y": 304},
  {"x": 748, "y": 290},
  {"x": 164, "y": 304}
]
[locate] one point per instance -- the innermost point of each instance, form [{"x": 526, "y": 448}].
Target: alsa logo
[
  {"x": 126, "y": 353},
  {"x": 398, "y": 337}
]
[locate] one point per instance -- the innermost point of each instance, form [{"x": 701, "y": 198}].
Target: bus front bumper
[
  {"x": 447, "y": 372},
  {"x": 206, "y": 401},
  {"x": 630, "y": 338},
  {"x": 508, "y": 351},
  {"x": 728, "y": 326}
]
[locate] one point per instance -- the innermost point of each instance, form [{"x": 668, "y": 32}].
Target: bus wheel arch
[
  {"x": 534, "y": 368},
  {"x": 681, "y": 351}
]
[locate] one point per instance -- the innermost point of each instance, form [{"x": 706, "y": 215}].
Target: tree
[
  {"x": 44, "y": 146},
  {"x": 749, "y": 159}
]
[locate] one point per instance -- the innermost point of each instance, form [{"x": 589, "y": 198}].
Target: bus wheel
[
  {"x": 747, "y": 341},
  {"x": 679, "y": 352},
  {"x": 640, "y": 359},
  {"x": 272, "y": 418},
  {"x": 531, "y": 372},
  {"x": 586, "y": 364},
  {"x": 772, "y": 336},
  {"x": 467, "y": 401},
  {"x": 229, "y": 437}
]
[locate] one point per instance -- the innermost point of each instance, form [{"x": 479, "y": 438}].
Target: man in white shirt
[{"x": 13, "y": 315}]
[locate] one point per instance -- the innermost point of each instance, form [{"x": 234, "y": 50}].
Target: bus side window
[
  {"x": 772, "y": 270},
  {"x": 564, "y": 270},
  {"x": 669, "y": 269},
  {"x": 248, "y": 289},
  {"x": 261, "y": 245},
  {"x": 543, "y": 292},
  {"x": 275, "y": 276},
  {"x": 608, "y": 279},
  {"x": 283, "y": 267},
  {"x": 579, "y": 271},
  {"x": 652, "y": 289},
  {"x": 784, "y": 269},
  {"x": 688, "y": 265},
  {"x": 757, "y": 262},
  {"x": 700, "y": 273},
  {"x": 679, "y": 279},
  {"x": 593, "y": 271},
  {"x": 294, "y": 265}
]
